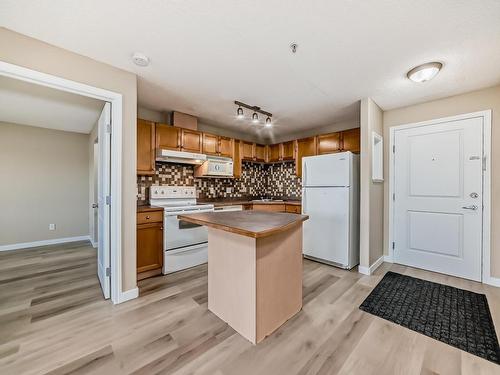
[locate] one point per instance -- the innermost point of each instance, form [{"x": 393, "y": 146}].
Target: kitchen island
[{"x": 254, "y": 268}]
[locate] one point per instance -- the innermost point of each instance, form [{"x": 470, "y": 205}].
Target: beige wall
[
  {"x": 371, "y": 193},
  {"x": 470, "y": 102},
  {"x": 44, "y": 181},
  {"x": 34, "y": 54}
]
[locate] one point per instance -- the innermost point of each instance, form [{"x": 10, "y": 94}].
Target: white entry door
[
  {"x": 103, "y": 192},
  {"x": 438, "y": 203}
]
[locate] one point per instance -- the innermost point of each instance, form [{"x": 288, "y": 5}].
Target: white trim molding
[
  {"x": 486, "y": 248},
  {"x": 48, "y": 80},
  {"x": 53, "y": 241},
  {"x": 370, "y": 270},
  {"x": 128, "y": 295}
]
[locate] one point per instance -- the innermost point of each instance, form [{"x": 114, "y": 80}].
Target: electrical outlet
[{"x": 52, "y": 227}]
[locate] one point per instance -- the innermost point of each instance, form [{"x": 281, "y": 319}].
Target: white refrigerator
[{"x": 330, "y": 196}]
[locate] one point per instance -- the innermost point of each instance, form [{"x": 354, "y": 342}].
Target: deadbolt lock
[{"x": 474, "y": 195}]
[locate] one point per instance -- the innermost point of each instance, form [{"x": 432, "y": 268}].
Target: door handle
[{"x": 472, "y": 207}]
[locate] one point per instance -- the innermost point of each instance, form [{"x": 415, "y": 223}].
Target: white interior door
[
  {"x": 104, "y": 191},
  {"x": 438, "y": 201},
  {"x": 326, "y": 233}
]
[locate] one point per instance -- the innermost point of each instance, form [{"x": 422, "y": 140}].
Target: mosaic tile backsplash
[{"x": 257, "y": 180}]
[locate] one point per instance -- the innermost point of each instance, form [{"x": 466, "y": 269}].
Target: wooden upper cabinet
[
  {"x": 305, "y": 147},
  {"x": 210, "y": 144},
  {"x": 329, "y": 143},
  {"x": 288, "y": 152},
  {"x": 246, "y": 150},
  {"x": 260, "y": 152},
  {"x": 236, "y": 158},
  {"x": 191, "y": 140},
  {"x": 168, "y": 137},
  {"x": 274, "y": 153},
  {"x": 145, "y": 147},
  {"x": 351, "y": 140},
  {"x": 226, "y": 147}
]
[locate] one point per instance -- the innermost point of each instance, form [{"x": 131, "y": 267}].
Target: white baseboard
[
  {"x": 94, "y": 244},
  {"x": 493, "y": 281},
  {"x": 370, "y": 270},
  {"x": 128, "y": 295},
  {"x": 54, "y": 241}
]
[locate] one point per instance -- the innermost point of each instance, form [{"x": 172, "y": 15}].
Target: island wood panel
[
  {"x": 255, "y": 285},
  {"x": 191, "y": 141},
  {"x": 145, "y": 147},
  {"x": 351, "y": 140},
  {"x": 210, "y": 144},
  {"x": 168, "y": 137},
  {"x": 226, "y": 147}
]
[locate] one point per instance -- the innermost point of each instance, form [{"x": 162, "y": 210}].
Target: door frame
[
  {"x": 63, "y": 84},
  {"x": 486, "y": 246}
]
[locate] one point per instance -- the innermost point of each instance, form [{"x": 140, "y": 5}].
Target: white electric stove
[{"x": 185, "y": 245}]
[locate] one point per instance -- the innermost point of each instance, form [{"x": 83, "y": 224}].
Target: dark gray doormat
[{"x": 454, "y": 316}]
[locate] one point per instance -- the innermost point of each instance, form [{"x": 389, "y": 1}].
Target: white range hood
[{"x": 169, "y": 156}]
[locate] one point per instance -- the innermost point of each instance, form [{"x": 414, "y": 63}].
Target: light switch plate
[{"x": 52, "y": 227}]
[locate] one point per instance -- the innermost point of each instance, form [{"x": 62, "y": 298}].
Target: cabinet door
[
  {"x": 269, "y": 207},
  {"x": 288, "y": 150},
  {"x": 149, "y": 247},
  {"x": 226, "y": 147},
  {"x": 237, "y": 158},
  {"x": 351, "y": 140},
  {"x": 191, "y": 141},
  {"x": 260, "y": 152},
  {"x": 210, "y": 144},
  {"x": 168, "y": 137},
  {"x": 275, "y": 153},
  {"x": 305, "y": 147},
  {"x": 246, "y": 150},
  {"x": 328, "y": 143},
  {"x": 145, "y": 147}
]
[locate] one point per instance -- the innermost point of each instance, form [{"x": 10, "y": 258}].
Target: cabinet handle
[
  {"x": 148, "y": 217},
  {"x": 161, "y": 228}
]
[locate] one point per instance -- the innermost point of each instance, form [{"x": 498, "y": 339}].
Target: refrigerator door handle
[
  {"x": 304, "y": 172},
  {"x": 304, "y": 200}
]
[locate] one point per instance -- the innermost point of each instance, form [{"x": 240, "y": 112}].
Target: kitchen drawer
[
  {"x": 293, "y": 208},
  {"x": 269, "y": 207},
  {"x": 150, "y": 217}
]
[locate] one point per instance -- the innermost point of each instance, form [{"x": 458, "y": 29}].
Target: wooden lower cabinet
[
  {"x": 149, "y": 244},
  {"x": 290, "y": 208},
  {"x": 293, "y": 208}
]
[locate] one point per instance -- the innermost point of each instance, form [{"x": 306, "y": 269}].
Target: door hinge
[
  {"x": 108, "y": 272},
  {"x": 393, "y": 149},
  {"x": 484, "y": 163},
  {"x": 393, "y": 245},
  {"x": 394, "y": 196},
  {"x": 108, "y": 200},
  {"x": 108, "y": 128}
]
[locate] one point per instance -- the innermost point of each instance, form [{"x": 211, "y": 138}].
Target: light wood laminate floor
[{"x": 53, "y": 320}]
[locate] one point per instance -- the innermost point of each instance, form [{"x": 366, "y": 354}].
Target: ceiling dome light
[
  {"x": 255, "y": 118},
  {"x": 268, "y": 121},
  {"x": 239, "y": 113},
  {"x": 140, "y": 59},
  {"x": 424, "y": 72}
]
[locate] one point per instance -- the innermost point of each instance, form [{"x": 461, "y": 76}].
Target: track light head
[
  {"x": 239, "y": 113},
  {"x": 269, "y": 123},
  {"x": 255, "y": 118}
]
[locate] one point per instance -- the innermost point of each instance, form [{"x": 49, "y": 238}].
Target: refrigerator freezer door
[
  {"x": 327, "y": 170},
  {"x": 326, "y": 233}
]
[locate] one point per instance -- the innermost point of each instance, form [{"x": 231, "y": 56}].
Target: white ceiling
[
  {"x": 26, "y": 103},
  {"x": 206, "y": 54}
]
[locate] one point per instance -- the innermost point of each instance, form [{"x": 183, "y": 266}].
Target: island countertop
[{"x": 254, "y": 224}]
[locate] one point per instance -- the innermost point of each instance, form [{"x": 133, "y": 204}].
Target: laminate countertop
[
  {"x": 234, "y": 202},
  {"x": 248, "y": 223}
]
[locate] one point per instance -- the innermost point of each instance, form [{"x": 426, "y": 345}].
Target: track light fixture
[
  {"x": 255, "y": 115},
  {"x": 239, "y": 113}
]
